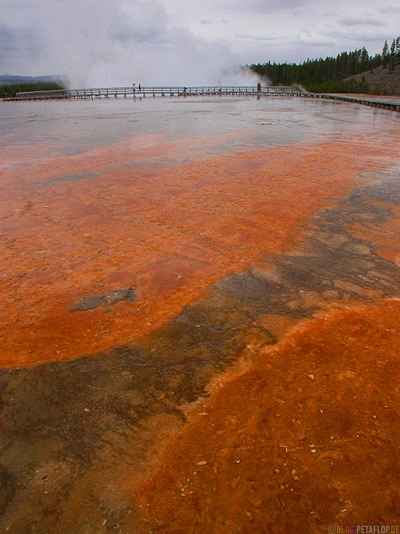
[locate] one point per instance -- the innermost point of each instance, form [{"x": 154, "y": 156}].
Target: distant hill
[
  {"x": 10, "y": 79},
  {"x": 380, "y": 81}
]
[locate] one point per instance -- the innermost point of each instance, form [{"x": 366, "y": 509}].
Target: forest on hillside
[
  {"x": 10, "y": 90},
  {"x": 331, "y": 74}
]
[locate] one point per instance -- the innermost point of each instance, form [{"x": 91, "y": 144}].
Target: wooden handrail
[{"x": 156, "y": 91}]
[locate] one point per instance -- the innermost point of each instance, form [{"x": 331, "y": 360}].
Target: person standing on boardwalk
[
  {"x": 259, "y": 87},
  {"x": 140, "y": 87},
  {"x": 134, "y": 88}
]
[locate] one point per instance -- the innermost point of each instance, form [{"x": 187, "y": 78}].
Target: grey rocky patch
[
  {"x": 73, "y": 425},
  {"x": 110, "y": 298},
  {"x": 66, "y": 178}
]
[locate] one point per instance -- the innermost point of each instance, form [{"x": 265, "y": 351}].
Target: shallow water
[
  {"x": 151, "y": 246},
  {"x": 80, "y": 125}
]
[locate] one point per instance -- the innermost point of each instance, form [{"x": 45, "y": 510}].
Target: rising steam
[{"x": 97, "y": 43}]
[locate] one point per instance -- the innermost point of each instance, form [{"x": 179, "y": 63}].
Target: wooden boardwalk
[
  {"x": 134, "y": 92},
  {"x": 389, "y": 103}
]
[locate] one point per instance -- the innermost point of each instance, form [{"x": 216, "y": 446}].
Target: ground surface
[{"x": 222, "y": 362}]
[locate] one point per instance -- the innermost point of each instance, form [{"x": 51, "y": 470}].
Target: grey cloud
[
  {"x": 360, "y": 22},
  {"x": 127, "y": 34},
  {"x": 150, "y": 24},
  {"x": 285, "y": 41},
  {"x": 390, "y": 9},
  {"x": 361, "y": 37},
  {"x": 265, "y": 6},
  {"x": 8, "y": 41},
  {"x": 205, "y": 21},
  {"x": 314, "y": 44},
  {"x": 258, "y": 38},
  {"x": 18, "y": 43},
  {"x": 371, "y": 39}
]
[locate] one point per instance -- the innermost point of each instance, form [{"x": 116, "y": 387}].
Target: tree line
[
  {"x": 329, "y": 74},
  {"x": 11, "y": 90}
]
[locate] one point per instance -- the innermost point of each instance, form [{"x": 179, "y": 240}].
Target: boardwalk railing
[
  {"x": 115, "y": 92},
  {"x": 205, "y": 90}
]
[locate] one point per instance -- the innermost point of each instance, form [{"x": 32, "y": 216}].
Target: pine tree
[
  {"x": 385, "y": 53},
  {"x": 364, "y": 59},
  {"x": 393, "y": 55}
]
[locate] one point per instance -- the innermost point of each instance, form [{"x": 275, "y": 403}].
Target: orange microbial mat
[{"x": 199, "y": 316}]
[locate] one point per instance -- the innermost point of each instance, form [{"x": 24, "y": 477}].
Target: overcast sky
[{"x": 186, "y": 42}]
